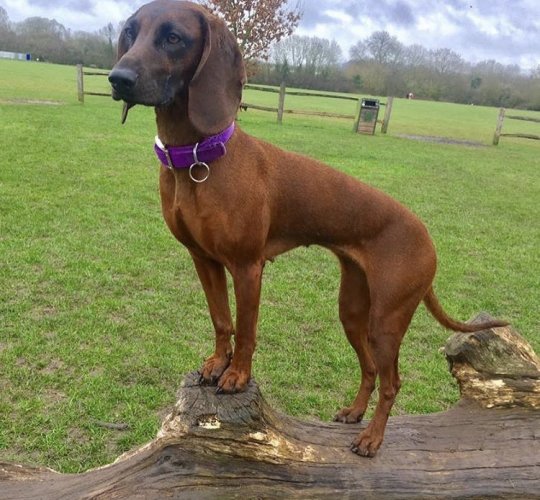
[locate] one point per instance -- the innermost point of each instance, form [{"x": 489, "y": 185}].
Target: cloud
[
  {"x": 508, "y": 32},
  {"x": 84, "y": 15},
  {"x": 76, "y": 5},
  {"x": 401, "y": 14}
]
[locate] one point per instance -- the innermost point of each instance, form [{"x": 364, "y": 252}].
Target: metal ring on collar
[{"x": 194, "y": 179}]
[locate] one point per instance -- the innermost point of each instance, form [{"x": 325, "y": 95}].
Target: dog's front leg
[
  {"x": 247, "y": 289},
  {"x": 214, "y": 282}
]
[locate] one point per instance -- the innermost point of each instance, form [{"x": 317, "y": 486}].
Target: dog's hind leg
[
  {"x": 354, "y": 303},
  {"x": 388, "y": 323}
]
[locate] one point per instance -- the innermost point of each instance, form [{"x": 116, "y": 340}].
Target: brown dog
[{"x": 258, "y": 201}]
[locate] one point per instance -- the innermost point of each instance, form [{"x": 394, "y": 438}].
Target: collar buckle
[{"x": 163, "y": 148}]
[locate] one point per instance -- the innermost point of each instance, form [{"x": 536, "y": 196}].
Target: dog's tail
[{"x": 434, "y": 307}]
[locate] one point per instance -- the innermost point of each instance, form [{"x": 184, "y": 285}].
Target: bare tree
[
  {"x": 4, "y": 19},
  {"x": 311, "y": 54},
  {"x": 291, "y": 49},
  {"x": 384, "y": 48},
  {"x": 7, "y": 35},
  {"x": 109, "y": 33},
  {"x": 359, "y": 51},
  {"x": 446, "y": 61},
  {"x": 305, "y": 61},
  {"x": 256, "y": 23},
  {"x": 416, "y": 55}
]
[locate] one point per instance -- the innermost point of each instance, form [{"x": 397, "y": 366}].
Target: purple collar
[{"x": 209, "y": 149}]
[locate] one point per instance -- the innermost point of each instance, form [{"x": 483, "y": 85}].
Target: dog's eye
[
  {"x": 129, "y": 34},
  {"x": 173, "y": 39}
]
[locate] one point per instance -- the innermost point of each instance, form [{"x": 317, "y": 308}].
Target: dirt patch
[
  {"x": 52, "y": 367},
  {"x": 442, "y": 140},
  {"x": 21, "y": 362},
  {"x": 78, "y": 437},
  {"x": 52, "y": 397},
  {"x": 41, "y": 312},
  {"x": 43, "y": 102}
]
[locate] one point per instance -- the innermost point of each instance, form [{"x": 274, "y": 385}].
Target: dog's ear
[{"x": 215, "y": 90}]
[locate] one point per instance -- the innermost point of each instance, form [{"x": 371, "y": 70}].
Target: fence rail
[
  {"x": 500, "y": 120},
  {"x": 300, "y": 93},
  {"x": 280, "y": 110},
  {"x": 80, "y": 83}
]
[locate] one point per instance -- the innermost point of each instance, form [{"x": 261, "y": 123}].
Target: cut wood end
[
  {"x": 245, "y": 418},
  {"x": 495, "y": 367}
]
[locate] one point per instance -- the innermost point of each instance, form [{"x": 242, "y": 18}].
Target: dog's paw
[
  {"x": 366, "y": 443},
  {"x": 349, "y": 415},
  {"x": 213, "y": 368},
  {"x": 232, "y": 381}
]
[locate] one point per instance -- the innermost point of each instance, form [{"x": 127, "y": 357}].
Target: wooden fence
[
  {"x": 279, "y": 110},
  {"x": 80, "y": 82},
  {"x": 500, "y": 121}
]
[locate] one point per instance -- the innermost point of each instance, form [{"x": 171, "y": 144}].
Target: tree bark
[
  {"x": 223, "y": 446},
  {"x": 495, "y": 367}
]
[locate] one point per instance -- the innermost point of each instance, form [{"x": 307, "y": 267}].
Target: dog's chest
[{"x": 194, "y": 221}]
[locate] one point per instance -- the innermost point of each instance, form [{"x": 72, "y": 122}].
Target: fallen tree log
[
  {"x": 496, "y": 368},
  {"x": 216, "y": 446}
]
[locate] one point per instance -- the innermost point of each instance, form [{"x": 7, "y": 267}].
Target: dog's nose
[{"x": 123, "y": 79}]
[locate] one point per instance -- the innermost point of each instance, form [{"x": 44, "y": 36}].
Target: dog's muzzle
[{"x": 123, "y": 82}]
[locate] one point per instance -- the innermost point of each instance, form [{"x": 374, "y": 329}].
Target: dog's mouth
[
  {"x": 129, "y": 87},
  {"x": 129, "y": 103},
  {"x": 145, "y": 98}
]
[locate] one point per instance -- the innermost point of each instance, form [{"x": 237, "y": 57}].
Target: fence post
[
  {"x": 357, "y": 117},
  {"x": 387, "y": 114},
  {"x": 498, "y": 129},
  {"x": 80, "y": 82},
  {"x": 281, "y": 103}
]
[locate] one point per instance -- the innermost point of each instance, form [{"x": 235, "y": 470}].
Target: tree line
[
  {"x": 377, "y": 65},
  {"x": 48, "y": 40},
  {"x": 381, "y": 65}
]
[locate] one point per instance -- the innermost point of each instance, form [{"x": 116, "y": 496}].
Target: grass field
[{"x": 101, "y": 312}]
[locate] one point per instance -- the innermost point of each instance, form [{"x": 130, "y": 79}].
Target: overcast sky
[{"x": 505, "y": 30}]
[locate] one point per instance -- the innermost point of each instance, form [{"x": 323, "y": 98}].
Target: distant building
[{"x": 20, "y": 56}]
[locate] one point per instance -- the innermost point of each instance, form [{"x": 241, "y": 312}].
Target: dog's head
[{"x": 169, "y": 50}]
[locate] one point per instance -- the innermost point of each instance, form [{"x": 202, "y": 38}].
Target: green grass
[{"x": 101, "y": 312}]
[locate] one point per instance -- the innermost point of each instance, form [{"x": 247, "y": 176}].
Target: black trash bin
[{"x": 369, "y": 112}]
